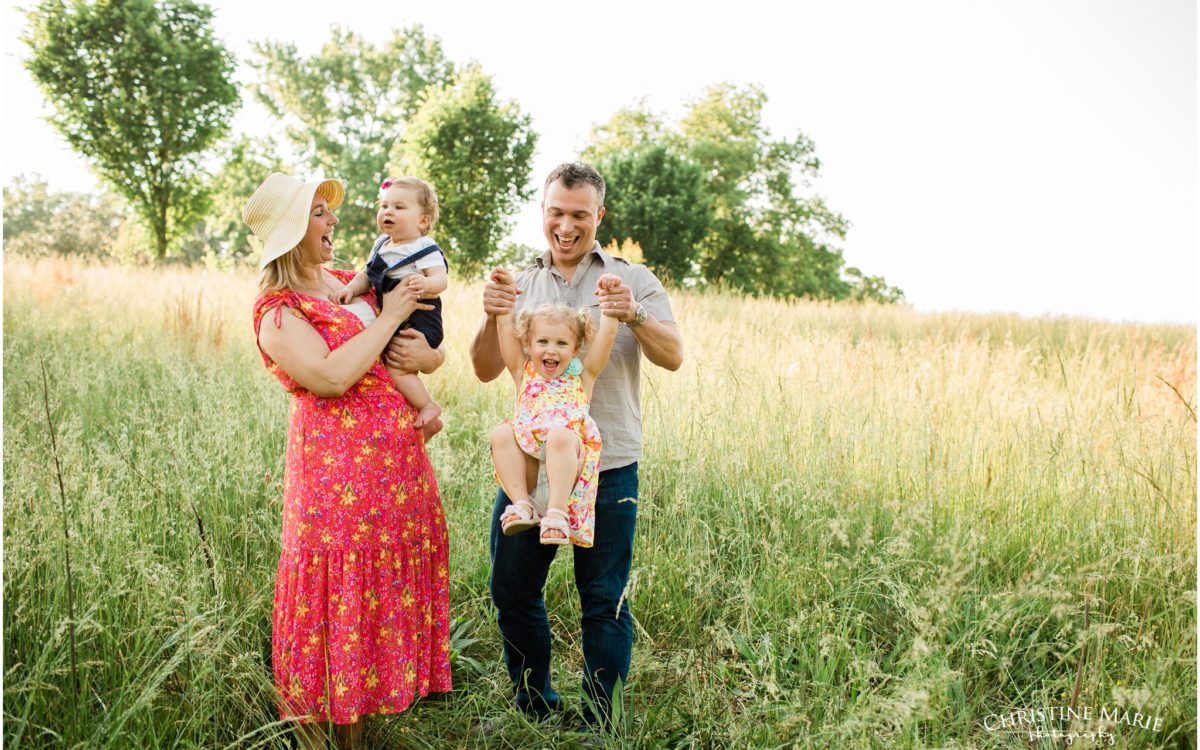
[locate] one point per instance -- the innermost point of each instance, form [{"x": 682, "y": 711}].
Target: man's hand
[
  {"x": 500, "y": 293},
  {"x": 616, "y": 299},
  {"x": 410, "y": 352}
]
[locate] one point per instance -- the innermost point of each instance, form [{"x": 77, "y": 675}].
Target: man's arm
[
  {"x": 660, "y": 339},
  {"x": 485, "y": 348},
  {"x": 661, "y": 342}
]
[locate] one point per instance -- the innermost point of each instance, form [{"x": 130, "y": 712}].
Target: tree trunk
[{"x": 161, "y": 206}]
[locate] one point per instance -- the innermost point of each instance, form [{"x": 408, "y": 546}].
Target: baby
[{"x": 405, "y": 254}]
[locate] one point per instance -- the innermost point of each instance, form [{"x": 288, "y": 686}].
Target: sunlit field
[{"x": 860, "y": 527}]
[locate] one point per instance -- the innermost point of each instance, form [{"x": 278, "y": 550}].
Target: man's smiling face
[{"x": 569, "y": 220}]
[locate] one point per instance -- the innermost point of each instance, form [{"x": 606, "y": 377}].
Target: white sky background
[{"x": 1034, "y": 157}]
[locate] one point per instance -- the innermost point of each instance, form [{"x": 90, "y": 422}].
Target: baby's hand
[
  {"x": 608, "y": 282},
  {"x": 416, "y": 282},
  {"x": 502, "y": 276},
  {"x": 342, "y": 296}
]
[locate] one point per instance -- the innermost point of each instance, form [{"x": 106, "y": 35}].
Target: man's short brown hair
[{"x": 575, "y": 173}]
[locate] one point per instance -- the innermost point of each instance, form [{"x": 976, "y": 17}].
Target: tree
[
  {"x": 345, "y": 108},
  {"x": 140, "y": 88},
  {"x": 753, "y": 182},
  {"x": 245, "y": 162},
  {"x": 477, "y": 153},
  {"x": 40, "y": 221},
  {"x": 659, "y": 200},
  {"x": 766, "y": 233},
  {"x": 629, "y": 128}
]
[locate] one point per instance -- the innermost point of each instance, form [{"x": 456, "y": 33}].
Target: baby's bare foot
[
  {"x": 427, "y": 414},
  {"x": 432, "y": 428}
]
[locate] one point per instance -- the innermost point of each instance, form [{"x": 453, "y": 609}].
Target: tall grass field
[{"x": 859, "y": 527}]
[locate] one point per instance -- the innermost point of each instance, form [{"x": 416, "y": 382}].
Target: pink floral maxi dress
[
  {"x": 546, "y": 403},
  {"x": 361, "y": 617}
]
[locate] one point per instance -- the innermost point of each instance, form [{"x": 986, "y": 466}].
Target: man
[{"x": 572, "y": 207}]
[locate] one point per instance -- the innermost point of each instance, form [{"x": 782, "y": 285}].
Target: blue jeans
[{"x": 519, "y": 567}]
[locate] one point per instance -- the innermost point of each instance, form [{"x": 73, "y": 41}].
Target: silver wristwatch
[{"x": 639, "y": 318}]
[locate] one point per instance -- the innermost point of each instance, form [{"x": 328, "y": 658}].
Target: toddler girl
[
  {"x": 405, "y": 254},
  {"x": 552, "y": 424}
]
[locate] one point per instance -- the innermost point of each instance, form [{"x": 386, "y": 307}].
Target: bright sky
[{"x": 1027, "y": 156}]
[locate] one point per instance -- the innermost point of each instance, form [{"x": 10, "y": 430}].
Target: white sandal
[
  {"x": 521, "y": 516},
  {"x": 559, "y": 523}
]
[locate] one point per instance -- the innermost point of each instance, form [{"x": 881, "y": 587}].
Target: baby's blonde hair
[
  {"x": 426, "y": 196},
  {"x": 579, "y": 321}
]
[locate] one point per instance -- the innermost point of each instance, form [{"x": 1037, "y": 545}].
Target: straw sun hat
[{"x": 278, "y": 211}]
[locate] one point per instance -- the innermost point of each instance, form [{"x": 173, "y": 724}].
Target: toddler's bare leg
[
  {"x": 414, "y": 390},
  {"x": 562, "y": 469},
  {"x": 516, "y": 469}
]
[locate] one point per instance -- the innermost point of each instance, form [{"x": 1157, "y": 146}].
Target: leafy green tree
[
  {"x": 345, "y": 107},
  {"x": 41, "y": 221},
  {"x": 477, "y": 153},
  {"x": 140, "y": 88},
  {"x": 766, "y": 232},
  {"x": 753, "y": 182},
  {"x": 628, "y": 129},
  {"x": 659, "y": 200}
]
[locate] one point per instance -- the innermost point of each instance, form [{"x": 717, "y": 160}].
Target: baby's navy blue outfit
[{"x": 428, "y": 322}]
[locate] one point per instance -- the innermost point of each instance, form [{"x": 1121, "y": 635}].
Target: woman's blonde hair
[
  {"x": 579, "y": 321},
  {"x": 281, "y": 273}
]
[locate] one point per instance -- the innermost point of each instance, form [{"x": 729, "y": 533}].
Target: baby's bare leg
[
  {"x": 562, "y": 469},
  {"x": 414, "y": 390}
]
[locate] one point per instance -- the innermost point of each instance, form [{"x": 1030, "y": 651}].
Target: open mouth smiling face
[
  {"x": 317, "y": 243},
  {"x": 570, "y": 217},
  {"x": 551, "y": 347}
]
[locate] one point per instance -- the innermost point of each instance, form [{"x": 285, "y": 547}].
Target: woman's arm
[
  {"x": 410, "y": 352},
  {"x": 303, "y": 354}
]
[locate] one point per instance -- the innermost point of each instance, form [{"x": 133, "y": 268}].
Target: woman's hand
[
  {"x": 400, "y": 303},
  {"x": 410, "y": 352}
]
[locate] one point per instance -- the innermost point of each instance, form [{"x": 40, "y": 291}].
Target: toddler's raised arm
[
  {"x": 510, "y": 345},
  {"x": 597, "y": 354}
]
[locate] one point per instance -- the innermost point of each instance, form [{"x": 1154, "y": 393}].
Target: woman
[{"x": 361, "y": 621}]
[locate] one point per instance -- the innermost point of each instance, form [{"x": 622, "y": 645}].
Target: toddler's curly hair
[{"x": 579, "y": 321}]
